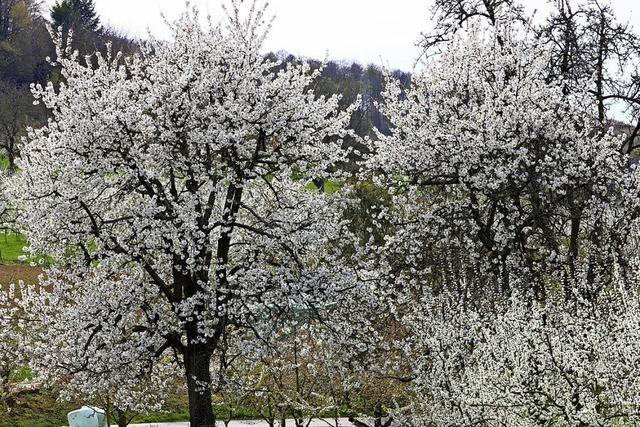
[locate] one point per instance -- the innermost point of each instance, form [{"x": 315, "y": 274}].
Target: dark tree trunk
[
  {"x": 123, "y": 420},
  {"x": 196, "y": 364},
  {"x": 377, "y": 415},
  {"x": 12, "y": 160}
]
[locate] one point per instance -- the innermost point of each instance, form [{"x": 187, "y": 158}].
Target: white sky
[{"x": 379, "y": 31}]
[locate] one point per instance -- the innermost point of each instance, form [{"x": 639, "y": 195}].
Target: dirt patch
[{"x": 17, "y": 272}]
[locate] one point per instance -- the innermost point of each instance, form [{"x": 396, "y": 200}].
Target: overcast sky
[{"x": 379, "y": 31}]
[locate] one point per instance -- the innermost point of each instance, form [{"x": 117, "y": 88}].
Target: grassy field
[
  {"x": 11, "y": 246},
  {"x": 37, "y": 410}
]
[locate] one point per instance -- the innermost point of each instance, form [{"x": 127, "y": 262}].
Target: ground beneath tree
[
  {"x": 342, "y": 422},
  {"x": 13, "y": 273}
]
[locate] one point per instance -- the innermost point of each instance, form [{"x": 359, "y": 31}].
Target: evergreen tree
[
  {"x": 76, "y": 14},
  {"x": 79, "y": 16}
]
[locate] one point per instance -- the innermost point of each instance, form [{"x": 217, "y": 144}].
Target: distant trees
[
  {"x": 24, "y": 44},
  {"x": 75, "y": 15},
  {"x": 15, "y": 18},
  {"x": 15, "y": 106},
  {"x": 89, "y": 35},
  {"x": 80, "y": 18},
  {"x": 352, "y": 81}
]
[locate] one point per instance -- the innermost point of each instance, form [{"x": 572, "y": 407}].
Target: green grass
[
  {"x": 21, "y": 374},
  {"x": 11, "y": 246},
  {"x": 42, "y": 409},
  {"x": 37, "y": 410},
  {"x": 53, "y": 413},
  {"x": 4, "y": 163},
  {"x": 330, "y": 187}
]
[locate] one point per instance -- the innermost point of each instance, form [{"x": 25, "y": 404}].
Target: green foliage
[
  {"x": 329, "y": 187},
  {"x": 75, "y": 14},
  {"x": 4, "y": 163},
  {"x": 21, "y": 374},
  {"x": 24, "y": 42}
]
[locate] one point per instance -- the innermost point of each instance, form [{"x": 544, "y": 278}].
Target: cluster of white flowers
[
  {"x": 9, "y": 343},
  {"x": 491, "y": 167},
  {"x": 526, "y": 364},
  {"x": 87, "y": 338},
  {"x": 172, "y": 191},
  {"x": 509, "y": 233},
  {"x": 170, "y": 188}
]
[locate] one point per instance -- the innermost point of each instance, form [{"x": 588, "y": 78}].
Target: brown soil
[{"x": 17, "y": 272}]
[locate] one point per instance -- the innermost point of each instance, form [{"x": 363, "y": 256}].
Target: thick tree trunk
[
  {"x": 377, "y": 415},
  {"x": 12, "y": 160},
  {"x": 123, "y": 420},
  {"x": 196, "y": 363}
]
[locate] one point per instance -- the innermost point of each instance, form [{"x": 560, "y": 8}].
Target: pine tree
[
  {"x": 76, "y": 14},
  {"x": 79, "y": 16}
]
